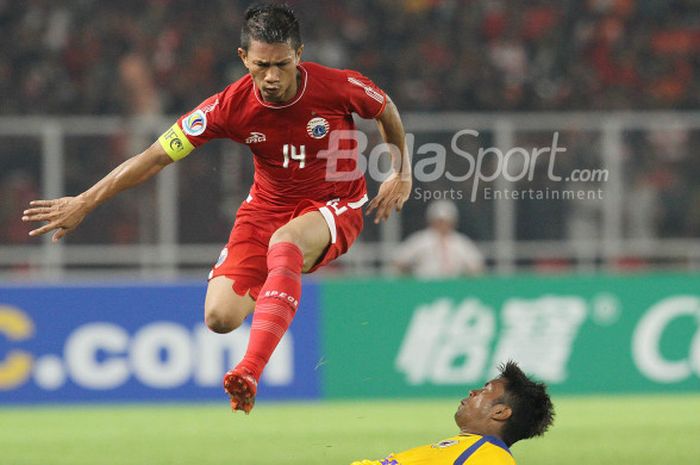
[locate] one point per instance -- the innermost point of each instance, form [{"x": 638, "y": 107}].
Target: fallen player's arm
[{"x": 66, "y": 213}]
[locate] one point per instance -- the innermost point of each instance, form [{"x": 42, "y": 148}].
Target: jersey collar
[
  {"x": 297, "y": 97},
  {"x": 497, "y": 442},
  {"x": 492, "y": 439}
]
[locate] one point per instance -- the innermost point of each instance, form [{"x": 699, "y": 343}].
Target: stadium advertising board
[
  {"x": 597, "y": 334},
  {"x": 136, "y": 343}
]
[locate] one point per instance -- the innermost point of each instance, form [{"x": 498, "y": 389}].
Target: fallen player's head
[{"x": 510, "y": 406}]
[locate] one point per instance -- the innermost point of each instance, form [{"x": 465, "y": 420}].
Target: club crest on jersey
[
  {"x": 195, "y": 123},
  {"x": 318, "y": 128},
  {"x": 255, "y": 138}
]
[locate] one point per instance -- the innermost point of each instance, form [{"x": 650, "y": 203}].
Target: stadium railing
[{"x": 624, "y": 146}]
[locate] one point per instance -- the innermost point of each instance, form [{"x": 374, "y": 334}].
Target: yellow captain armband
[{"x": 175, "y": 143}]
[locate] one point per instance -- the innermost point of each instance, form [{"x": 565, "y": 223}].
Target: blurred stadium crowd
[
  {"x": 131, "y": 56},
  {"x": 162, "y": 57}
]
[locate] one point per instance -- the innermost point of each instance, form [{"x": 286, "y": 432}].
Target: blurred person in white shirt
[{"x": 439, "y": 251}]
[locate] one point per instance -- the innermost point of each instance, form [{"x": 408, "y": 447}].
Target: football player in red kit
[{"x": 300, "y": 213}]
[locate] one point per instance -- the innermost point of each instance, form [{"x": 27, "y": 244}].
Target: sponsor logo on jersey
[
  {"x": 195, "y": 123},
  {"x": 444, "y": 444},
  {"x": 317, "y": 128},
  {"x": 255, "y": 138}
]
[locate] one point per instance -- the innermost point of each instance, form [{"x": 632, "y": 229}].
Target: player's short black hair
[
  {"x": 532, "y": 409},
  {"x": 271, "y": 23}
]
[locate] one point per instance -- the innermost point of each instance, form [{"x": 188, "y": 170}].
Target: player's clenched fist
[{"x": 63, "y": 214}]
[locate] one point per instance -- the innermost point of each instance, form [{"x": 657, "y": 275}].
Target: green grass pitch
[{"x": 611, "y": 430}]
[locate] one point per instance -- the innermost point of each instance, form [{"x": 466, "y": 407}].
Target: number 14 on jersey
[{"x": 290, "y": 151}]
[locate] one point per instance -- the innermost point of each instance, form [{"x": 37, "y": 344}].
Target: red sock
[{"x": 276, "y": 305}]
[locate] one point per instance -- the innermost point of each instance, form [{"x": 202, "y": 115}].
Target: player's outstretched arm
[
  {"x": 396, "y": 189},
  {"x": 65, "y": 214}
]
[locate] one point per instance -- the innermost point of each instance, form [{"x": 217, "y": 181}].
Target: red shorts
[{"x": 244, "y": 259}]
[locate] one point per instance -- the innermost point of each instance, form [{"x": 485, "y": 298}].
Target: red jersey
[{"x": 286, "y": 138}]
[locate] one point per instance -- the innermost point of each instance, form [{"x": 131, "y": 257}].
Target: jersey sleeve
[
  {"x": 364, "y": 97},
  {"x": 202, "y": 124},
  {"x": 491, "y": 456}
]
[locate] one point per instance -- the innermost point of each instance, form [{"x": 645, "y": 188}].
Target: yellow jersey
[{"x": 467, "y": 449}]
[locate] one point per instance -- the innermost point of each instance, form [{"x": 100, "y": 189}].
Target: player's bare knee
[
  {"x": 221, "y": 321},
  {"x": 224, "y": 309}
]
